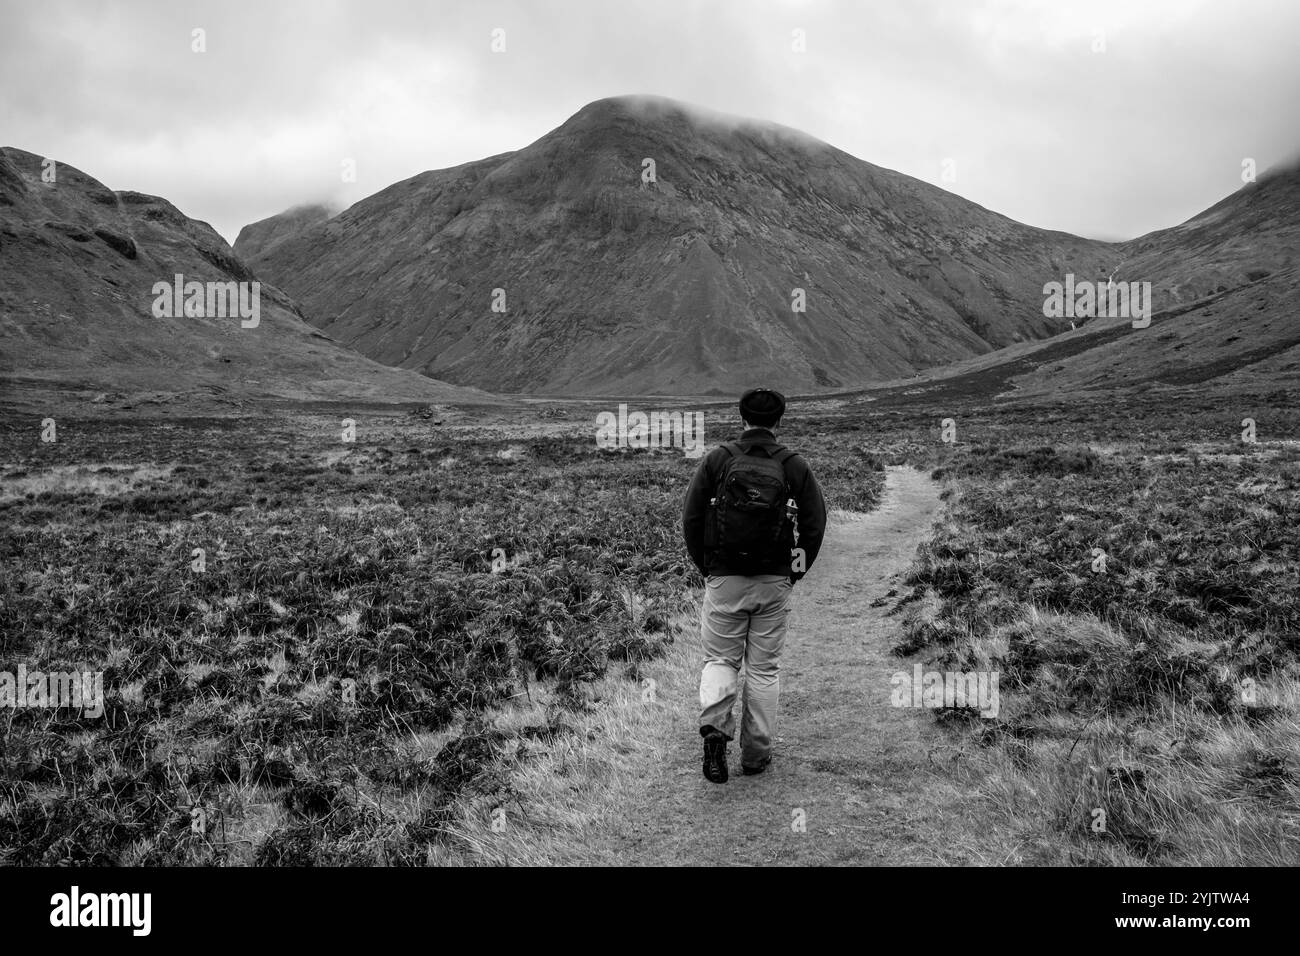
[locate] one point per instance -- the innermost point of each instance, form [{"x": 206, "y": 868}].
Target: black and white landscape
[{"x": 356, "y": 360}]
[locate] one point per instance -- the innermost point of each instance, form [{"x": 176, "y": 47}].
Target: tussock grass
[
  {"x": 1149, "y": 708},
  {"x": 570, "y": 778}
]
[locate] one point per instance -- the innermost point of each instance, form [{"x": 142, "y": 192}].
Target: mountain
[
  {"x": 679, "y": 286},
  {"x": 1227, "y": 281},
  {"x": 78, "y": 266},
  {"x": 1232, "y": 346},
  {"x": 1249, "y": 235},
  {"x": 1225, "y": 284},
  {"x": 256, "y": 238}
]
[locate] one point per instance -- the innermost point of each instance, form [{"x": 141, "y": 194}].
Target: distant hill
[
  {"x": 681, "y": 286},
  {"x": 1227, "y": 280},
  {"x": 1225, "y": 285},
  {"x": 78, "y": 264},
  {"x": 257, "y": 238},
  {"x": 1250, "y": 234}
]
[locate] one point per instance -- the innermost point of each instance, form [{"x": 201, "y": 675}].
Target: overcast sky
[{"x": 1039, "y": 125}]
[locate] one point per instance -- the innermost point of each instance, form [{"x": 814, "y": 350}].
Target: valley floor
[{"x": 470, "y": 642}]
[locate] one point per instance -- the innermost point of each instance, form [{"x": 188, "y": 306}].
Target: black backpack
[{"x": 750, "y": 524}]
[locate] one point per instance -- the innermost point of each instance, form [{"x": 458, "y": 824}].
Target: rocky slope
[{"x": 78, "y": 265}]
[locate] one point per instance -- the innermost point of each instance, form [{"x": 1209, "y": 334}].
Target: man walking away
[{"x": 740, "y": 533}]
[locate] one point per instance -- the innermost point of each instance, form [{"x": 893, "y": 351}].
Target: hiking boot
[
  {"x": 715, "y": 756},
  {"x": 750, "y": 769}
]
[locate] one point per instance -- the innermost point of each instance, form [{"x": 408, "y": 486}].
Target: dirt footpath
[{"x": 852, "y": 779}]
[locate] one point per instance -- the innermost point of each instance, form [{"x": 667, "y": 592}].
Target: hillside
[
  {"x": 680, "y": 286},
  {"x": 1249, "y": 235},
  {"x": 1225, "y": 283},
  {"x": 256, "y": 238},
  {"x": 78, "y": 265}
]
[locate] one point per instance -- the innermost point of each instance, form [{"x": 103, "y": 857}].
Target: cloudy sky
[{"x": 1107, "y": 118}]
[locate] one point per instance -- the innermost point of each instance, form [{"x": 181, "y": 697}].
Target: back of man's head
[{"x": 762, "y": 407}]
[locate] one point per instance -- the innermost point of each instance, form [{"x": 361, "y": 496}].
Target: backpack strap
[
  {"x": 780, "y": 454},
  {"x": 733, "y": 450}
]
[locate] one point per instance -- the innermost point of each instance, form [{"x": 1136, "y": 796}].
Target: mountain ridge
[
  {"x": 80, "y": 264},
  {"x": 682, "y": 284}
]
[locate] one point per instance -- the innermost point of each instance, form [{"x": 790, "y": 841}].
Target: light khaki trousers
[{"x": 743, "y": 621}]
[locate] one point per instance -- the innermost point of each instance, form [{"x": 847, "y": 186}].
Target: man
[{"x": 739, "y": 534}]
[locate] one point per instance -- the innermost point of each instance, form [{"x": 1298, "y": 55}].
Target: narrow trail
[{"x": 858, "y": 769}]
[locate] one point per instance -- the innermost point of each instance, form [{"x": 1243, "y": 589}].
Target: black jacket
[{"x": 806, "y": 493}]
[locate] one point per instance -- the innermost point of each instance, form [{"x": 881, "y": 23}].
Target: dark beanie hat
[{"x": 762, "y": 407}]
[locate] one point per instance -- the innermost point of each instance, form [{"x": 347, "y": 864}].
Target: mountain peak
[
  {"x": 650, "y": 112},
  {"x": 650, "y": 245},
  {"x": 258, "y": 237}
]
